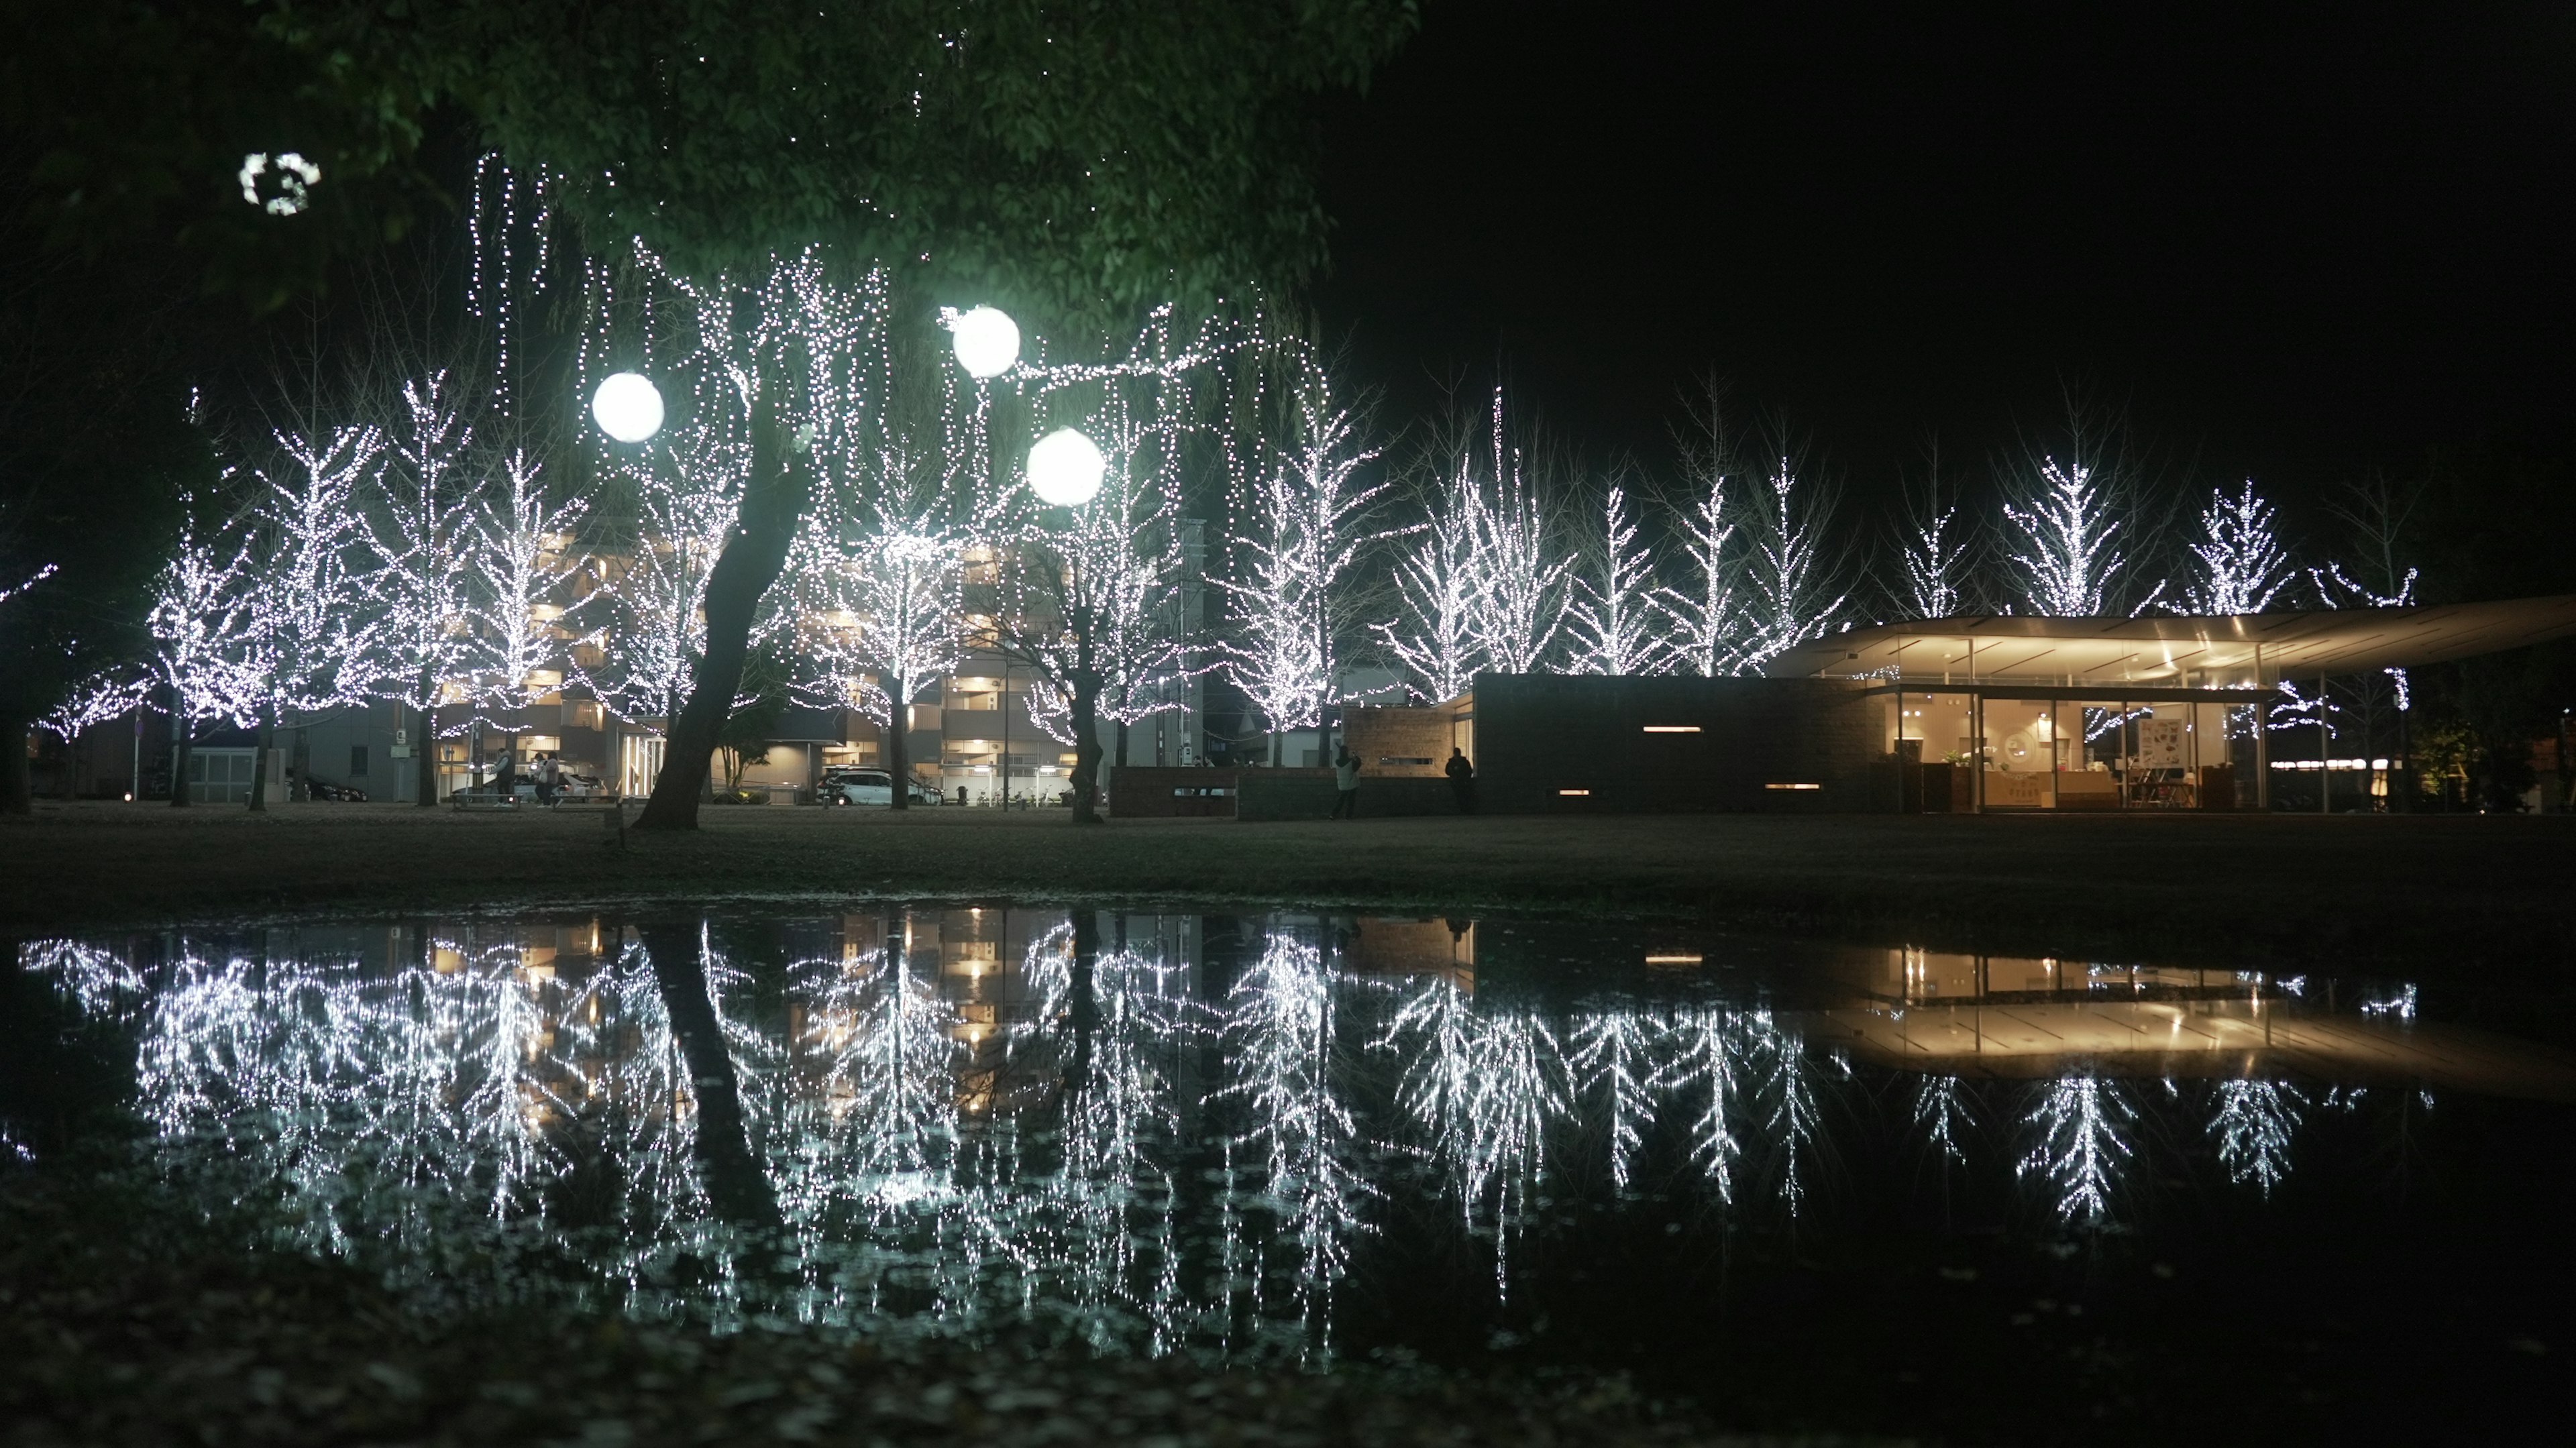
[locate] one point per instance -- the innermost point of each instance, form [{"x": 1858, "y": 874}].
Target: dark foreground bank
[
  {"x": 2430, "y": 892},
  {"x": 122, "y": 1324}
]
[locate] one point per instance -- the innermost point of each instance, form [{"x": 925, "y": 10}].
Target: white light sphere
[
  {"x": 627, "y": 406},
  {"x": 1065, "y": 468},
  {"x": 986, "y": 340}
]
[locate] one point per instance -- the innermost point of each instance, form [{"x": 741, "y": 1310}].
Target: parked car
[{"x": 847, "y": 784}]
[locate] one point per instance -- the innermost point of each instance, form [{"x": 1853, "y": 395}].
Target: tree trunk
[
  {"x": 772, "y": 501},
  {"x": 898, "y": 748},
  {"x": 301, "y": 790},
  {"x": 736, "y": 1186},
  {"x": 425, "y": 757},
  {"x": 183, "y": 744},
  {"x": 1086, "y": 747},
  {"x": 15, "y": 795},
  {"x": 259, "y": 763}
]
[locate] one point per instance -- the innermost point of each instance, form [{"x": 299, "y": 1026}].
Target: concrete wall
[{"x": 1543, "y": 734}]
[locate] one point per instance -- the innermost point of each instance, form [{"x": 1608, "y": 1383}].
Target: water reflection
[{"x": 1156, "y": 1132}]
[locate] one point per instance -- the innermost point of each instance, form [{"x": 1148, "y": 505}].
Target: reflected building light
[{"x": 2400, "y": 1005}]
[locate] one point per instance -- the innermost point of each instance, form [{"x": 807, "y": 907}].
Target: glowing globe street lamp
[
  {"x": 627, "y": 406},
  {"x": 1065, "y": 468},
  {"x": 986, "y": 340}
]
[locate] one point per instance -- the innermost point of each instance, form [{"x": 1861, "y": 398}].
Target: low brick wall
[
  {"x": 1141, "y": 791},
  {"x": 1309, "y": 794}
]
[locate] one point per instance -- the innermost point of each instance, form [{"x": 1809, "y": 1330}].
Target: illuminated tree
[
  {"x": 1932, "y": 553},
  {"x": 1791, "y": 592},
  {"x": 523, "y": 559},
  {"x": 1308, "y": 525},
  {"x": 421, "y": 533},
  {"x": 1614, "y": 621},
  {"x": 1439, "y": 587},
  {"x": 311, "y": 605},
  {"x": 885, "y": 622},
  {"x": 2067, "y": 548},
  {"x": 202, "y": 625},
  {"x": 2242, "y": 565},
  {"x": 1707, "y": 622},
  {"x": 1528, "y": 597}
]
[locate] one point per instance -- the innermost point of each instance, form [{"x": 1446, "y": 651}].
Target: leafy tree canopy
[{"x": 1079, "y": 158}]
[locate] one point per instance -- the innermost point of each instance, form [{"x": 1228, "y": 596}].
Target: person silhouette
[{"x": 1462, "y": 780}]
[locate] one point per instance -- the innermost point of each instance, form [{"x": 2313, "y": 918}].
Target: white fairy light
[
  {"x": 986, "y": 341},
  {"x": 1065, "y": 468},
  {"x": 30, "y": 581},
  {"x": 627, "y": 406},
  {"x": 1933, "y": 563}
]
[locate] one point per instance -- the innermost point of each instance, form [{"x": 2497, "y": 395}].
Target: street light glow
[
  {"x": 1065, "y": 468},
  {"x": 986, "y": 340},
  {"x": 627, "y": 406}
]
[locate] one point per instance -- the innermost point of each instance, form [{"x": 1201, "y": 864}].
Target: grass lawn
[{"x": 2428, "y": 890}]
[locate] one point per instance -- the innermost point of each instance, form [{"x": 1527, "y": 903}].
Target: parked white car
[{"x": 847, "y": 785}]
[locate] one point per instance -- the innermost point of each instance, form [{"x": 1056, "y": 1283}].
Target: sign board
[
  {"x": 401, "y": 751},
  {"x": 2160, "y": 744}
]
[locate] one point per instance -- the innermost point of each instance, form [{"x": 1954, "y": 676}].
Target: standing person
[
  {"x": 505, "y": 776},
  {"x": 1346, "y": 784},
  {"x": 548, "y": 774},
  {"x": 1462, "y": 780}
]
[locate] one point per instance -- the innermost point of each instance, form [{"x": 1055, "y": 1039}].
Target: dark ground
[{"x": 2428, "y": 891}]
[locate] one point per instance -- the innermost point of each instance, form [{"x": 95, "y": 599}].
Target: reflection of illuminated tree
[
  {"x": 2079, "y": 1149},
  {"x": 1279, "y": 1032},
  {"x": 2252, "y": 1128},
  {"x": 1483, "y": 1088},
  {"x": 1709, "y": 1041},
  {"x": 1612, "y": 1055},
  {"x": 1943, "y": 1114},
  {"x": 1788, "y": 1084},
  {"x": 361, "y": 1097}
]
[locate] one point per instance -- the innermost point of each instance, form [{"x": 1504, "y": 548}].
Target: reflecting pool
[{"x": 1307, "y": 1135}]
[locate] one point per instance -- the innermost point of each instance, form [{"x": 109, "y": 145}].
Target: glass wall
[{"x": 2080, "y": 753}]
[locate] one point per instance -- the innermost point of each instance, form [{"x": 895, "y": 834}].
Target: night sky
[{"x": 2293, "y": 241}]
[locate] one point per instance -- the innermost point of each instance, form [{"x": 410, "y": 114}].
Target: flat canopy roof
[{"x": 2242, "y": 650}]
